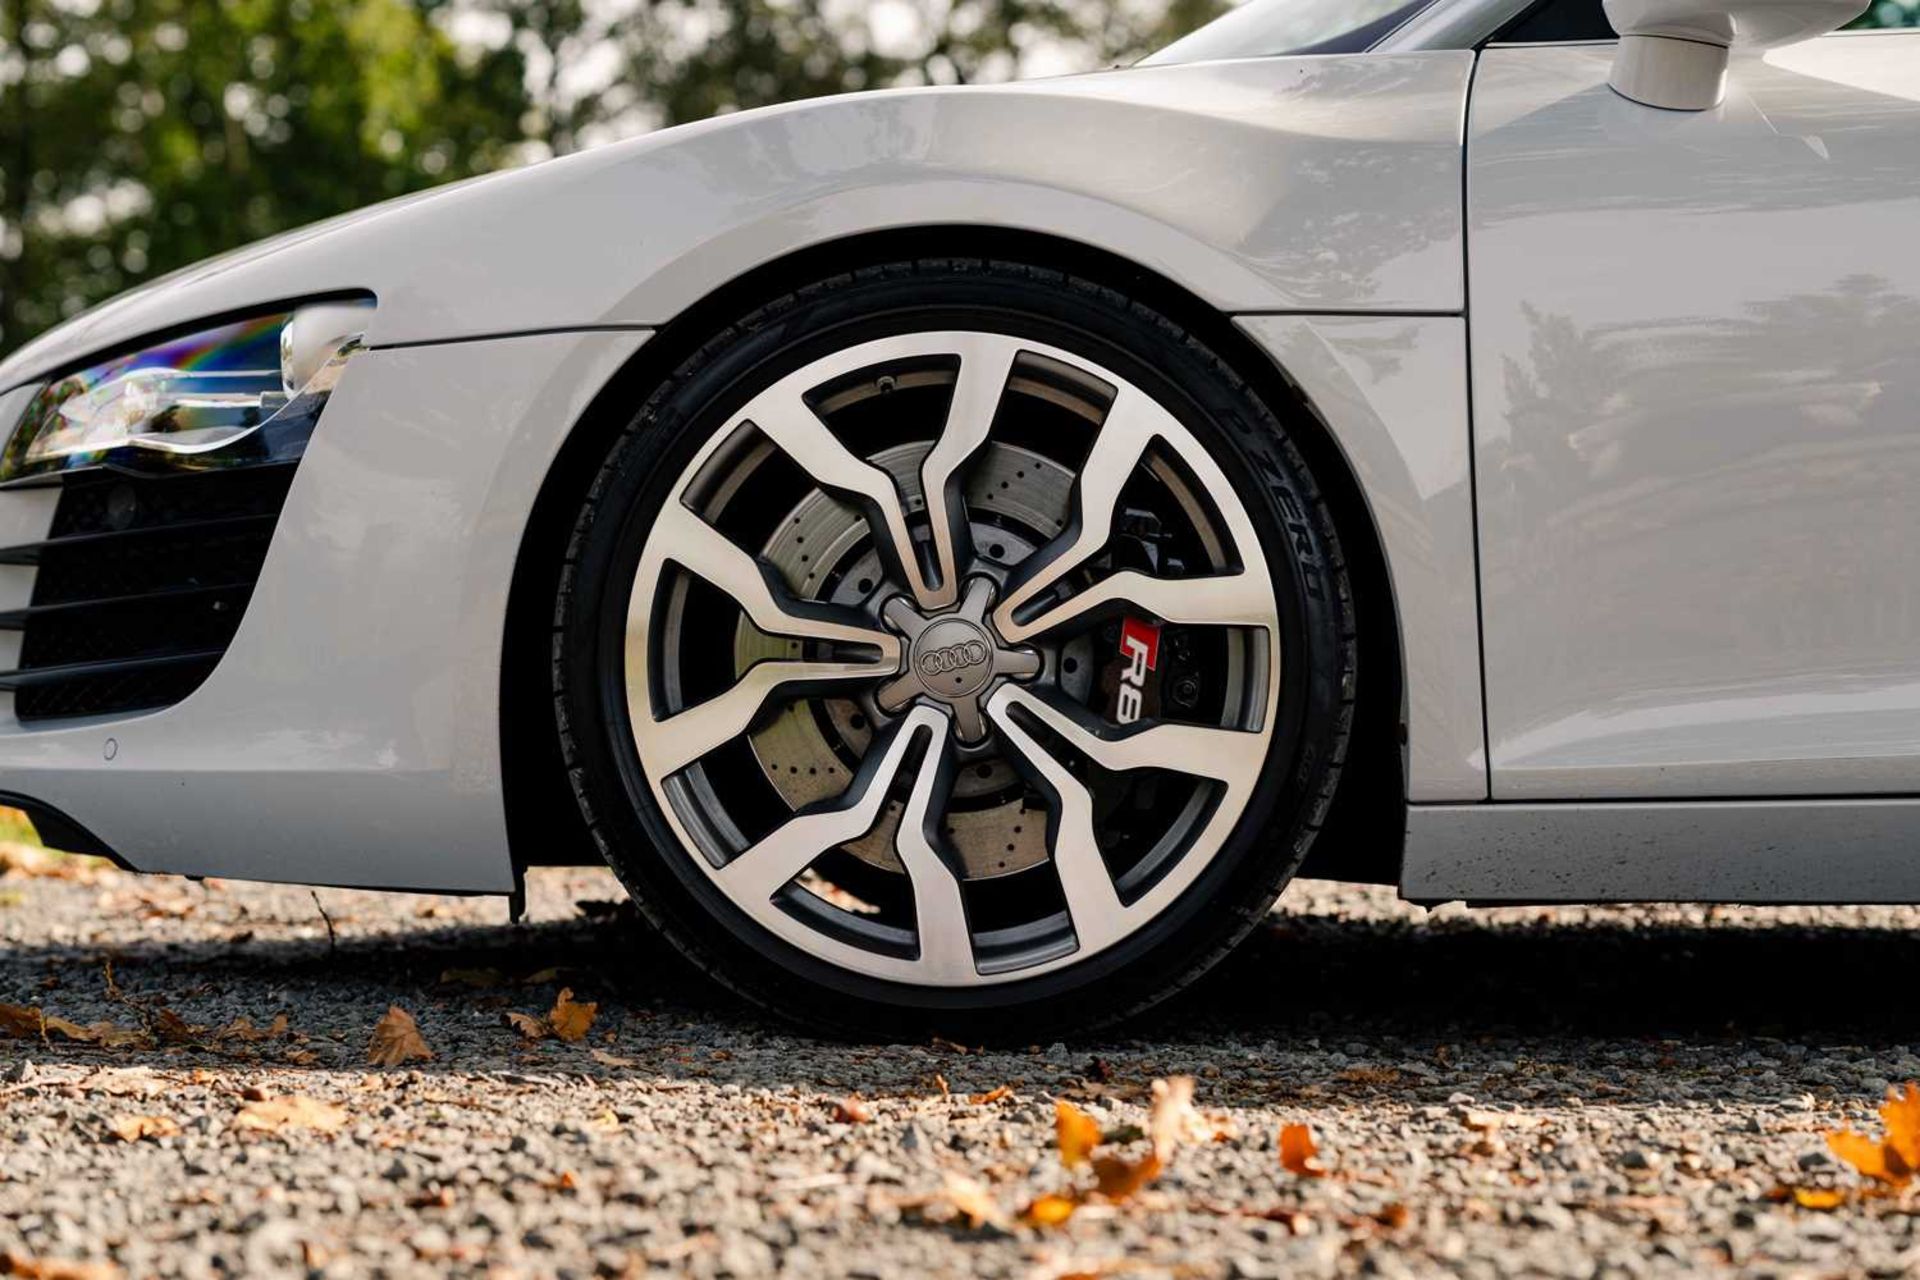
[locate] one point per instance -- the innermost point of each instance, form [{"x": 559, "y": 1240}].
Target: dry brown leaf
[
  {"x": 571, "y": 1020},
  {"x": 1821, "y": 1198},
  {"x": 243, "y": 1029},
  {"x": 397, "y": 1040},
  {"x": 1049, "y": 1210},
  {"x": 19, "y": 1021},
  {"x": 529, "y": 1026},
  {"x": 1075, "y": 1132},
  {"x": 991, "y": 1096},
  {"x": 134, "y": 1128},
  {"x": 606, "y": 1059},
  {"x": 1172, "y": 1119},
  {"x": 972, "y": 1201},
  {"x": 851, "y": 1111},
  {"x": 297, "y": 1111},
  {"x": 1299, "y": 1152},
  {"x": 25, "y": 1268},
  {"x": 174, "y": 1029},
  {"x": 1118, "y": 1178}
]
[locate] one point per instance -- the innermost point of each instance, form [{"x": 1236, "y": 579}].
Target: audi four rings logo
[{"x": 955, "y": 657}]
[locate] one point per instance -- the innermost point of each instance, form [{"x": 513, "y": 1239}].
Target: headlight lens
[{"x": 237, "y": 395}]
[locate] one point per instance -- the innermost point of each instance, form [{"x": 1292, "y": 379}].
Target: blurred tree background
[{"x": 137, "y": 136}]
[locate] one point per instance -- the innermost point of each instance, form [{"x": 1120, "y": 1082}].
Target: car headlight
[{"x": 237, "y": 394}]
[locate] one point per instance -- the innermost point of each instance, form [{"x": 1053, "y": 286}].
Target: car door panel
[{"x": 1696, "y": 365}]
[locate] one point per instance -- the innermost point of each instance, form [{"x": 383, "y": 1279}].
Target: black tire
[{"x": 1278, "y": 491}]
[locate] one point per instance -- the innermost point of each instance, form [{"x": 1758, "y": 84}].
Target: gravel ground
[{"x": 1553, "y": 1092}]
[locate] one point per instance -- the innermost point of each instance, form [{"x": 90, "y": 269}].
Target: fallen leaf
[
  {"x": 1894, "y": 1159},
  {"x": 134, "y": 1128},
  {"x": 1049, "y": 1210},
  {"x": 297, "y": 1111},
  {"x": 1299, "y": 1152},
  {"x": 19, "y": 1021},
  {"x": 18, "y": 1264},
  {"x": 570, "y": 1020},
  {"x": 851, "y": 1111},
  {"x": 1118, "y": 1178},
  {"x": 1901, "y": 1115},
  {"x": 606, "y": 1059},
  {"x": 529, "y": 1026},
  {"x": 541, "y": 978},
  {"x": 972, "y": 1201},
  {"x": 397, "y": 1040},
  {"x": 1075, "y": 1132},
  {"x": 242, "y": 1028},
  {"x": 1172, "y": 1119},
  {"x": 1821, "y": 1198},
  {"x": 173, "y": 1029},
  {"x": 991, "y": 1096}
]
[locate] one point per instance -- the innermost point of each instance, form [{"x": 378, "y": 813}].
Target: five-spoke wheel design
[{"x": 951, "y": 657}]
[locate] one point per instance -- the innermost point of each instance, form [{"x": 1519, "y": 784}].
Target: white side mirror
[{"x": 1674, "y": 53}]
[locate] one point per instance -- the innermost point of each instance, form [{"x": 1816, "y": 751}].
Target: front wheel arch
[{"x": 1365, "y": 828}]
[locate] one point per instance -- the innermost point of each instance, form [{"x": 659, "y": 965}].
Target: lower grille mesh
[{"x": 140, "y": 586}]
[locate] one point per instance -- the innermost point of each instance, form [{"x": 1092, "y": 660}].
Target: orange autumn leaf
[
  {"x": 851, "y": 1110},
  {"x": 1119, "y": 1179},
  {"x": 992, "y": 1096},
  {"x": 1820, "y": 1198},
  {"x": 1866, "y": 1155},
  {"x": 397, "y": 1040},
  {"x": 1075, "y": 1132},
  {"x": 1049, "y": 1211},
  {"x": 1299, "y": 1152},
  {"x": 1901, "y": 1114},
  {"x": 570, "y": 1019}
]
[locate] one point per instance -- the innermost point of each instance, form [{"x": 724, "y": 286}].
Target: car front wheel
[{"x": 954, "y": 646}]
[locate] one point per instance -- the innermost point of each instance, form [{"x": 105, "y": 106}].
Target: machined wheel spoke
[
  {"x": 939, "y": 908},
  {"x": 986, "y": 362},
  {"x": 784, "y": 417},
  {"x": 764, "y": 869},
  {"x": 1093, "y": 902},
  {"x": 1225, "y": 600},
  {"x": 683, "y": 538},
  {"x": 1131, "y": 425},
  {"x": 1232, "y": 756}
]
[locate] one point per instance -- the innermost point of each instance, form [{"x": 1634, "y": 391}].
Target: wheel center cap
[{"x": 953, "y": 659}]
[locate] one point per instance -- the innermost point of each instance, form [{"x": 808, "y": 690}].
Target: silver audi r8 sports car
[{"x": 957, "y": 553}]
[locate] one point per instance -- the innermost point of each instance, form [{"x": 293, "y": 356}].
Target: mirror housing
[{"x": 1674, "y": 53}]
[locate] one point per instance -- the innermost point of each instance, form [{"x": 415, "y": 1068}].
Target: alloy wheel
[{"x": 951, "y": 658}]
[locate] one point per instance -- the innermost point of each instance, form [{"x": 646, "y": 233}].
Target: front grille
[{"x": 139, "y": 587}]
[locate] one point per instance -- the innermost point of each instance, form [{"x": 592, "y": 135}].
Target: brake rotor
[{"x": 1017, "y": 500}]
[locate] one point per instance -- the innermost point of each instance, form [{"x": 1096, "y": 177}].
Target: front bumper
[{"x": 350, "y": 735}]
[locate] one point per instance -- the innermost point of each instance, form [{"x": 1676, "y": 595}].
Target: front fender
[{"x": 1280, "y": 184}]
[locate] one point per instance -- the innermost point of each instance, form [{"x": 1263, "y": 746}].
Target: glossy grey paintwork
[
  {"x": 1393, "y": 393},
  {"x": 351, "y": 735},
  {"x": 1698, "y": 425},
  {"x": 1744, "y": 851}
]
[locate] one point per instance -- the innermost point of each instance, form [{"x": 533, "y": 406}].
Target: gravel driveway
[{"x": 1550, "y": 1092}]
